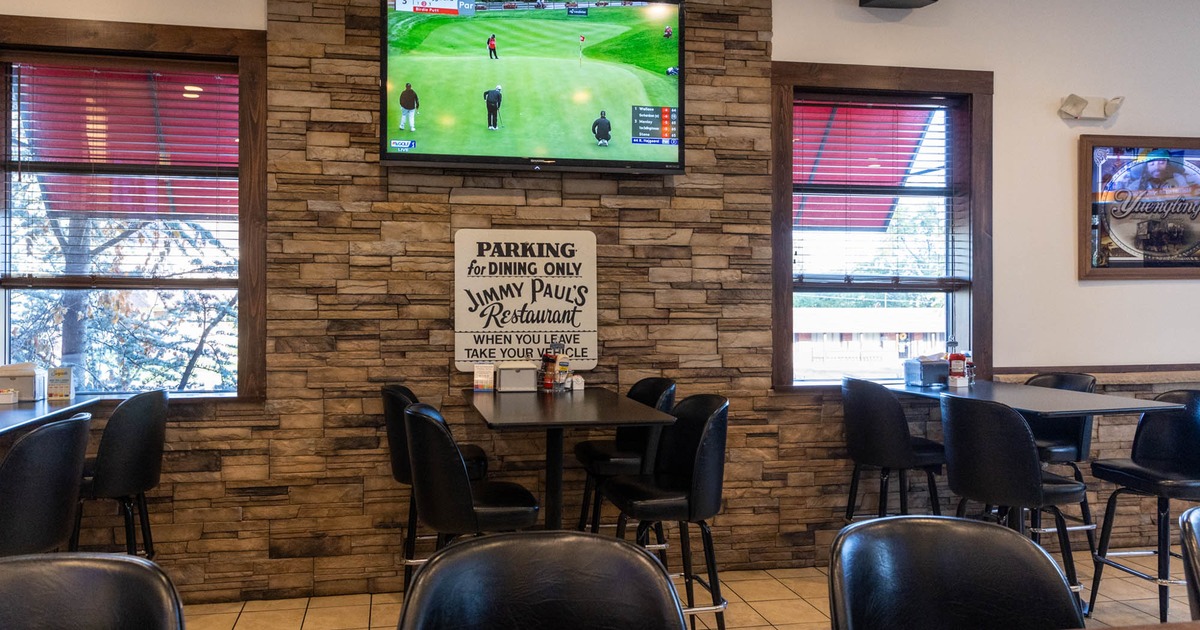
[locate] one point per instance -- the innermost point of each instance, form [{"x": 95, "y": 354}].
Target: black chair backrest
[
  {"x": 129, "y": 458},
  {"x": 1073, "y": 428},
  {"x": 439, "y": 476},
  {"x": 86, "y": 591},
  {"x": 934, "y": 573},
  {"x": 875, "y": 425},
  {"x": 990, "y": 453},
  {"x": 1172, "y": 437},
  {"x": 542, "y": 580},
  {"x": 654, "y": 391},
  {"x": 1189, "y": 529},
  {"x": 395, "y": 399},
  {"x": 692, "y": 451},
  {"x": 39, "y": 487}
]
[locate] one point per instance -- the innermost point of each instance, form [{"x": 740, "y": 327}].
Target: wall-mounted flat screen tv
[{"x": 590, "y": 86}]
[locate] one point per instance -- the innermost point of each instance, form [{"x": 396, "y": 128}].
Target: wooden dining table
[{"x": 553, "y": 412}]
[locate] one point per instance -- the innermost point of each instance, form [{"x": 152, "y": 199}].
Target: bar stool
[
  {"x": 542, "y": 580},
  {"x": 991, "y": 458},
  {"x": 1163, "y": 464},
  {"x": 1064, "y": 441},
  {"x": 39, "y": 486},
  {"x": 395, "y": 399},
  {"x": 87, "y": 591},
  {"x": 128, "y": 464},
  {"x": 685, "y": 487},
  {"x": 624, "y": 455},
  {"x": 877, "y": 435},
  {"x": 938, "y": 573},
  {"x": 447, "y": 500}
]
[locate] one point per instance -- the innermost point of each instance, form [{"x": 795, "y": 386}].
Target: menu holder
[{"x": 485, "y": 377}]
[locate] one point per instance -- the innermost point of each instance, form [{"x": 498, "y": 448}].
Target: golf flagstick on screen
[{"x": 589, "y": 86}]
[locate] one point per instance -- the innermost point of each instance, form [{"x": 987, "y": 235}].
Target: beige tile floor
[{"x": 784, "y": 599}]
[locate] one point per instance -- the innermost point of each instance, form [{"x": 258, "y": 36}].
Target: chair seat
[
  {"x": 1059, "y": 490},
  {"x": 1165, "y": 478},
  {"x": 501, "y": 506},
  {"x": 928, "y": 453},
  {"x": 650, "y": 497},
  {"x": 1058, "y": 451},
  {"x": 605, "y": 459},
  {"x": 476, "y": 460}
]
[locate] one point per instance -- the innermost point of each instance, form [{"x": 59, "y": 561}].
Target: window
[
  {"x": 126, "y": 221},
  {"x": 880, "y": 221}
]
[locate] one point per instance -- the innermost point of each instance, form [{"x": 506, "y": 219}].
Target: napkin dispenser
[
  {"x": 516, "y": 376},
  {"x": 926, "y": 372},
  {"x": 28, "y": 380}
]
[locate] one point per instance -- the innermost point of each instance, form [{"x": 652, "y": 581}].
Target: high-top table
[
  {"x": 22, "y": 415},
  {"x": 553, "y": 412},
  {"x": 1041, "y": 401}
]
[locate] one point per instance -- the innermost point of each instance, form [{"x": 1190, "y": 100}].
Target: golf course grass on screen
[{"x": 555, "y": 68}]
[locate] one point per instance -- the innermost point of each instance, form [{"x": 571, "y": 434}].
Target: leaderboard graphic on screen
[{"x": 566, "y": 84}]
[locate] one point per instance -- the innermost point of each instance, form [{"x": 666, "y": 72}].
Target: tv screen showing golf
[{"x": 538, "y": 85}]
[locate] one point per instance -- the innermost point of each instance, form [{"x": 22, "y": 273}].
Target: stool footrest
[{"x": 1134, "y": 572}]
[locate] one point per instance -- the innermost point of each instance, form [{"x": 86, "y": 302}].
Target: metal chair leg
[
  {"x": 685, "y": 550},
  {"x": 144, "y": 518},
  {"x": 714, "y": 581},
  {"x": 410, "y": 541},
  {"x": 852, "y": 500},
  {"x": 1098, "y": 560},
  {"x": 934, "y": 502},
  {"x": 903, "y": 491},
  {"x": 74, "y": 544},
  {"x": 589, "y": 484},
  {"x": 885, "y": 474},
  {"x": 597, "y": 504},
  {"x": 1164, "y": 556},
  {"x": 130, "y": 537}
]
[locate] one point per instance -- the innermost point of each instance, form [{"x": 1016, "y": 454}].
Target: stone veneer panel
[{"x": 294, "y": 496}]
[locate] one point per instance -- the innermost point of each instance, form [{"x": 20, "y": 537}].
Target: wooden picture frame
[{"x": 1139, "y": 207}]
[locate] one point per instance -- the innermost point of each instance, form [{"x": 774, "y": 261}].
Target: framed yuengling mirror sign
[{"x": 1139, "y": 207}]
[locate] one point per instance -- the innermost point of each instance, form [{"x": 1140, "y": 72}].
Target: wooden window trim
[
  {"x": 976, "y": 87},
  {"x": 248, "y": 49}
]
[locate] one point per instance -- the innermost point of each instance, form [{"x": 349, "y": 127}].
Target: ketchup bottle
[{"x": 957, "y": 360}]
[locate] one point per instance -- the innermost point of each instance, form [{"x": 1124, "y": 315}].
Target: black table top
[
  {"x": 1043, "y": 401},
  {"x": 26, "y": 414},
  {"x": 593, "y": 406}
]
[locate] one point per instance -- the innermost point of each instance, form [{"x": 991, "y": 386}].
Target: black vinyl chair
[
  {"x": 542, "y": 580},
  {"x": 447, "y": 500},
  {"x": 86, "y": 591},
  {"x": 1163, "y": 464},
  {"x": 1064, "y": 441},
  {"x": 877, "y": 436},
  {"x": 624, "y": 455},
  {"x": 942, "y": 573},
  {"x": 685, "y": 487},
  {"x": 395, "y": 399},
  {"x": 39, "y": 487},
  {"x": 991, "y": 458},
  {"x": 1189, "y": 529},
  {"x": 128, "y": 464}
]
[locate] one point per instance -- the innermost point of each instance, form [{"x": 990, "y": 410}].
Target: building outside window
[
  {"x": 880, "y": 226},
  {"x": 121, "y": 204}
]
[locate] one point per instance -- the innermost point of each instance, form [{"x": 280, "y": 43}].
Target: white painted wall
[
  {"x": 1040, "y": 51},
  {"x": 247, "y": 14}
]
